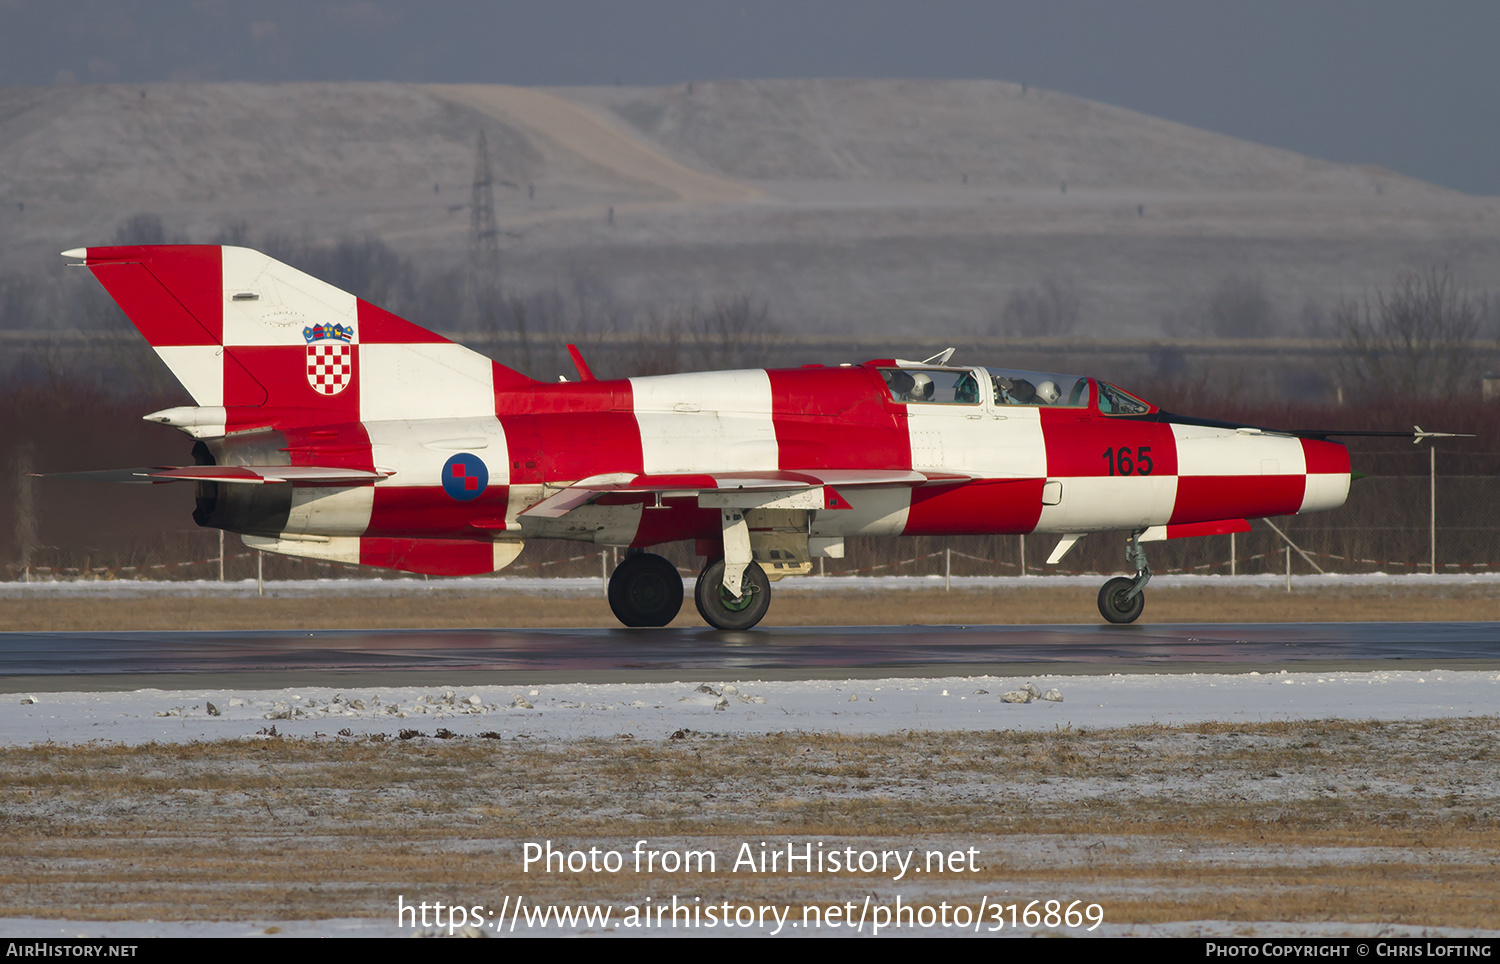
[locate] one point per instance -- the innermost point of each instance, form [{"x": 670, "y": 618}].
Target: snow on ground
[
  {"x": 657, "y": 710},
  {"x": 654, "y": 711}
]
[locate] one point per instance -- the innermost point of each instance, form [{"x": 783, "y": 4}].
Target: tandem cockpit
[{"x": 923, "y": 384}]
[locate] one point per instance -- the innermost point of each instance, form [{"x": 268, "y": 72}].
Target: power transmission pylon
[
  {"x": 484, "y": 246},
  {"x": 484, "y": 233}
]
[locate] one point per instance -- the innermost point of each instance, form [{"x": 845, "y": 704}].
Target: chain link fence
[{"x": 1403, "y": 520}]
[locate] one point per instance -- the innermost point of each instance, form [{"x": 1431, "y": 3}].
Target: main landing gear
[
  {"x": 1122, "y": 600},
  {"x": 645, "y": 590},
  {"x": 723, "y": 610}
]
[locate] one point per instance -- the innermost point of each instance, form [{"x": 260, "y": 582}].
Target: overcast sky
[{"x": 1407, "y": 85}]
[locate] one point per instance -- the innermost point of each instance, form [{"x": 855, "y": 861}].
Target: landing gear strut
[
  {"x": 724, "y": 611},
  {"x": 645, "y": 590},
  {"x": 1122, "y": 600}
]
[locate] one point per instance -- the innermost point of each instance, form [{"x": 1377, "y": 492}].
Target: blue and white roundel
[{"x": 464, "y": 476}]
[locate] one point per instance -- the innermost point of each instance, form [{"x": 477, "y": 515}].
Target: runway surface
[{"x": 133, "y": 660}]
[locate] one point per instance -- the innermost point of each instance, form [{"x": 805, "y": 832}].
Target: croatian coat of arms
[{"x": 330, "y": 358}]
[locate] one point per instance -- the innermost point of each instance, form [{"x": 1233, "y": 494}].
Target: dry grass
[
  {"x": 1390, "y": 822},
  {"x": 1075, "y": 604}
]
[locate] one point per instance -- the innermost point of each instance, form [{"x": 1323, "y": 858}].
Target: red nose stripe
[{"x": 1325, "y": 457}]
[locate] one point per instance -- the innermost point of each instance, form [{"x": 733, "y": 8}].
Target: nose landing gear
[{"x": 1121, "y": 600}]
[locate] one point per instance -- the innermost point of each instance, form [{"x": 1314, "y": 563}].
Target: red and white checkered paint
[
  {"x": 330, "y": 367},
  {"x": 640, "y": 461}
]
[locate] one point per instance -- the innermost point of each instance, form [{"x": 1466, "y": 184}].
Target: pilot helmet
[
  {"x": 922, "y": 389},
  {"x": 1048, "y": 392}
]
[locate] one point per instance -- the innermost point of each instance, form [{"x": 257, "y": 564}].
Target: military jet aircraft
[{"x": 328, "y": 428}]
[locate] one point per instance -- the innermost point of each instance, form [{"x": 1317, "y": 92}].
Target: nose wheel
[
  {"x": 645, "y": 590},
  {"x": 1117, "y": 605},
  {"x": 1122, "y": 599}
]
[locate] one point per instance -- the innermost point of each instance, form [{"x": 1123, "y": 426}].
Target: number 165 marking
[{"x": 1120, "y": 462}]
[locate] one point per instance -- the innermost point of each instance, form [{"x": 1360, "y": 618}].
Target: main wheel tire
[
  {"x": 721, "y": 610},
  {"x": 645, "y": 590},
  {"x": 1113, "y": 605}
]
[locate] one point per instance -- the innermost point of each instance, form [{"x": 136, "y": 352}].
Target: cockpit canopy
[{"x": 922, "y": 384}]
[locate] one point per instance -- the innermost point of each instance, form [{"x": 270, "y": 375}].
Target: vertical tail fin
[{"x": 239, "y": 329}]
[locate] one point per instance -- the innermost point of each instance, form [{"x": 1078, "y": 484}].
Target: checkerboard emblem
[
  {"x": 330, "y": 358},
  {"x": 465, "y": 476}
]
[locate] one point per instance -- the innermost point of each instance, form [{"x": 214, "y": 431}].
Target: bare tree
[
  {"x": 1413, "y": 341},
  {"x": 516, "y": 328},
  {"x": 655, "y": 347},
  {"x": 735, "y": 333},
  {"x": 366, "y": 267},
  {"x": 529, "y": 332}
]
